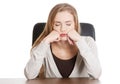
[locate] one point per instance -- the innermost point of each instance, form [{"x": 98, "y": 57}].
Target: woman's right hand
[{"x": 52, "y": 37}]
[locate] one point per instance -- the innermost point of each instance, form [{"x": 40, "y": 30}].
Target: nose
[{"x": 63, "y": 28}]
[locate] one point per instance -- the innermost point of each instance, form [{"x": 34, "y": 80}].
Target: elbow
[
  {"x": 28, "y": 75},
  {"x": 97, "y": 75}
]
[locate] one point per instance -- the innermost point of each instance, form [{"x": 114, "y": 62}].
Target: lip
[{"x": 63, "y": 35}]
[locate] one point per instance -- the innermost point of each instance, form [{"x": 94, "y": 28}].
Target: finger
[
  {"x": 58, "y": 39},
  {"x": 70, "y": 41},
  {"x": 68, "y": 30}
]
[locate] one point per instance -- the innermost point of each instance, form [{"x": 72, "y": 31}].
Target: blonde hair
[{"x": 49, "y": 25}]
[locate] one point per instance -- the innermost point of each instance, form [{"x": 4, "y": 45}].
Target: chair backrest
[{"x": 87, "y": 29}]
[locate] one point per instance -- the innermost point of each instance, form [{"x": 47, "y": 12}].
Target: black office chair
[{"x": 87, "y": 29}]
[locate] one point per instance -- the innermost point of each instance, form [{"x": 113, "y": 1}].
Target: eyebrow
[
  {"x": 56, "y": 21},
  {"x": 67, "y": 21}
]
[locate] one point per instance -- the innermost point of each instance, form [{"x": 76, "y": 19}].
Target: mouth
[{"x": 63, "y": 35}]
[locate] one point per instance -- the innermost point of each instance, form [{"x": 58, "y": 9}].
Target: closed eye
[
  {"x": 57, "y": 24},
  {"x": 68, "y": 24}
]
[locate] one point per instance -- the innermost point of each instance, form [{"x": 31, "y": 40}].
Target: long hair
[{"x": 49, "y": 25}]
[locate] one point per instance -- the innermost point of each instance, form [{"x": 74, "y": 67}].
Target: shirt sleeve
[
  {"x": 88, "y": 51},
  {"x": 33, "y": 66}
]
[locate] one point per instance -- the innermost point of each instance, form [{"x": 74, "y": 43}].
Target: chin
[{"x": 63, "y": 38}]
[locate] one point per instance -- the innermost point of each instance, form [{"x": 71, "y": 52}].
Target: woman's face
[{"x": 63, "y": 22}]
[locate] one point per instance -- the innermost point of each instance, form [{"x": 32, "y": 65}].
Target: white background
[{"x": 17, "y": 18}]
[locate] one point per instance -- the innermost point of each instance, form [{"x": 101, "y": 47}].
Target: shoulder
[
  {"x": 87, "y": 43},
  {"x": 87, "y": 38}
]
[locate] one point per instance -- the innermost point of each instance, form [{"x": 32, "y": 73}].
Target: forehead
[{"x": 63, "y": 16}]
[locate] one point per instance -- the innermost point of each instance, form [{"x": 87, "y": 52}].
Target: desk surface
[{"x": 49, "y": 81}]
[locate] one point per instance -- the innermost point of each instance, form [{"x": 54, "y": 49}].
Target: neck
[{"x": 63, "y": 49}]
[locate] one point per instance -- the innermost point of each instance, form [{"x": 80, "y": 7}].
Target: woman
[{"x": 60, "y": 51}]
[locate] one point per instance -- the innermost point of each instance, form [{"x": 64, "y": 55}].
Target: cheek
[
  {"x": 72, "y": 27},
  {"x": 56, "y": 28}
]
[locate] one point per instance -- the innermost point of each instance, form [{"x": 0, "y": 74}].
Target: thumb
[{"x": 70, "y": 41}]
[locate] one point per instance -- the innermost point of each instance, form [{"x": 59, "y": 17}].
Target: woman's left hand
[{"x": 73, "y": 36}]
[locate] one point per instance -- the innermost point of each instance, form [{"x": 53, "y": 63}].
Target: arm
[
  {"x": 33, "y": 66},
  {"x": 38, "y": 53},
  {"x": 88, "y": 51}
]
